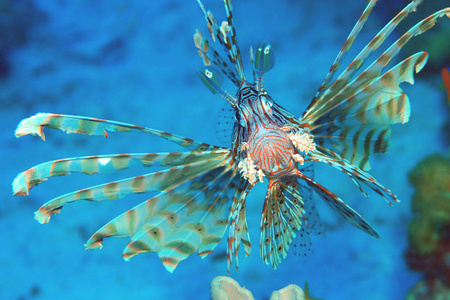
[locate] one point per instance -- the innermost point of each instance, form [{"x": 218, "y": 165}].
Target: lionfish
[{"x": 204, "y": 189}]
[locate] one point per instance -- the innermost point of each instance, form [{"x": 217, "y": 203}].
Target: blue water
[{"x": 135, "y": 62}]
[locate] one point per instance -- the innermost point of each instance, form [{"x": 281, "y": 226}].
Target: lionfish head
[{"x": 253, "y": 105}]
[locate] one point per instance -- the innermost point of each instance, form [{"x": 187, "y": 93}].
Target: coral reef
[
  {"x": 431, "y": 203},
  {"x": 226, "y": 288},
  {"x": 429, "y": 289},
  {"x": 429, "y": 231},
  {"x": 290, "y": 292}
]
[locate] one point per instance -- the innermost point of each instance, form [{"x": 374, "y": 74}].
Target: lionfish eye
[
  {"x": 212, "y": 77},
  {"x": 237, "y": 117}
]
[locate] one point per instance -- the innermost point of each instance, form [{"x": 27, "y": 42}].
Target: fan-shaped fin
[
  {"x": 369, "y": 104},
  {"x": 344, "y": 50},
  {"x": 238, "y": 233},
  {"x": 344, "y": 84},
  {"x": 311, "y": 223},
  {"x": 157, "y": 181},
  {"x": 358, "y": 125},
  {"x": 77, "y": 124},
  {"x": 238, "y": 230},
  {"x": 341, "y": 207},
  {"x": 282, "y": 216},
  {"x": 100, "y": 164},
  {"x": 358, "y": 176},
  {"x": 188, "y": 219}
]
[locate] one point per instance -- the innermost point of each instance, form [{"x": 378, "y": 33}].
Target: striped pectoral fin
[
  {"x": 157, "y": 181},
  {"x": 176, "y": 223},
  {"x": 343, "y": 52},
  {"x": 281, "y": 217},
  {"x": 167, "y": 242},
  {"x": 359, "y": 125},
  {"x": 382, "y": 101},
  {"x": 359, "y": 177},
  {"x": 217, "y": 220},
  {"x": 327, "y": 100},
  {"x": 379, "y": 101},
  {"x": 421, "y": 27},
  {"x": 345, "y": 86},
  {"x": 100, "y": 164},
  {"x": 238, "y": 234},
  {"x": 109, "y": 191},
  {"x": 84, "y": 125},
  {"x": 341, "y": 207},
  {"x": 154, "y": 237},
  {"x": 238, "y": 229},
  {"x": 164, "y": 207},
  {"x": 243, "y": 236},
  {"x": 71, "y": 124},
  {"x": 89, "y": 165},
  {"x": 127, "y": 224},
  {"x": 355, "y": 143},
  {"x": 298, "y": 192}
]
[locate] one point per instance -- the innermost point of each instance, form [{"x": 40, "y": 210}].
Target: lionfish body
[{"x": 205, "y": 189}]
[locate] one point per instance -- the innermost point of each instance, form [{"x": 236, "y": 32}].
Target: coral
[
  {"x": 429, "y": 289},
  {"x": 226, "y": 288},
  {"x": 291, "y": 292},
  {"x": 429, "y": 231},
  {"x": 431, "y": 203}
]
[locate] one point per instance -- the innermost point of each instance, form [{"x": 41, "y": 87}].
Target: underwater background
[{"x": 135, "y": 61}]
